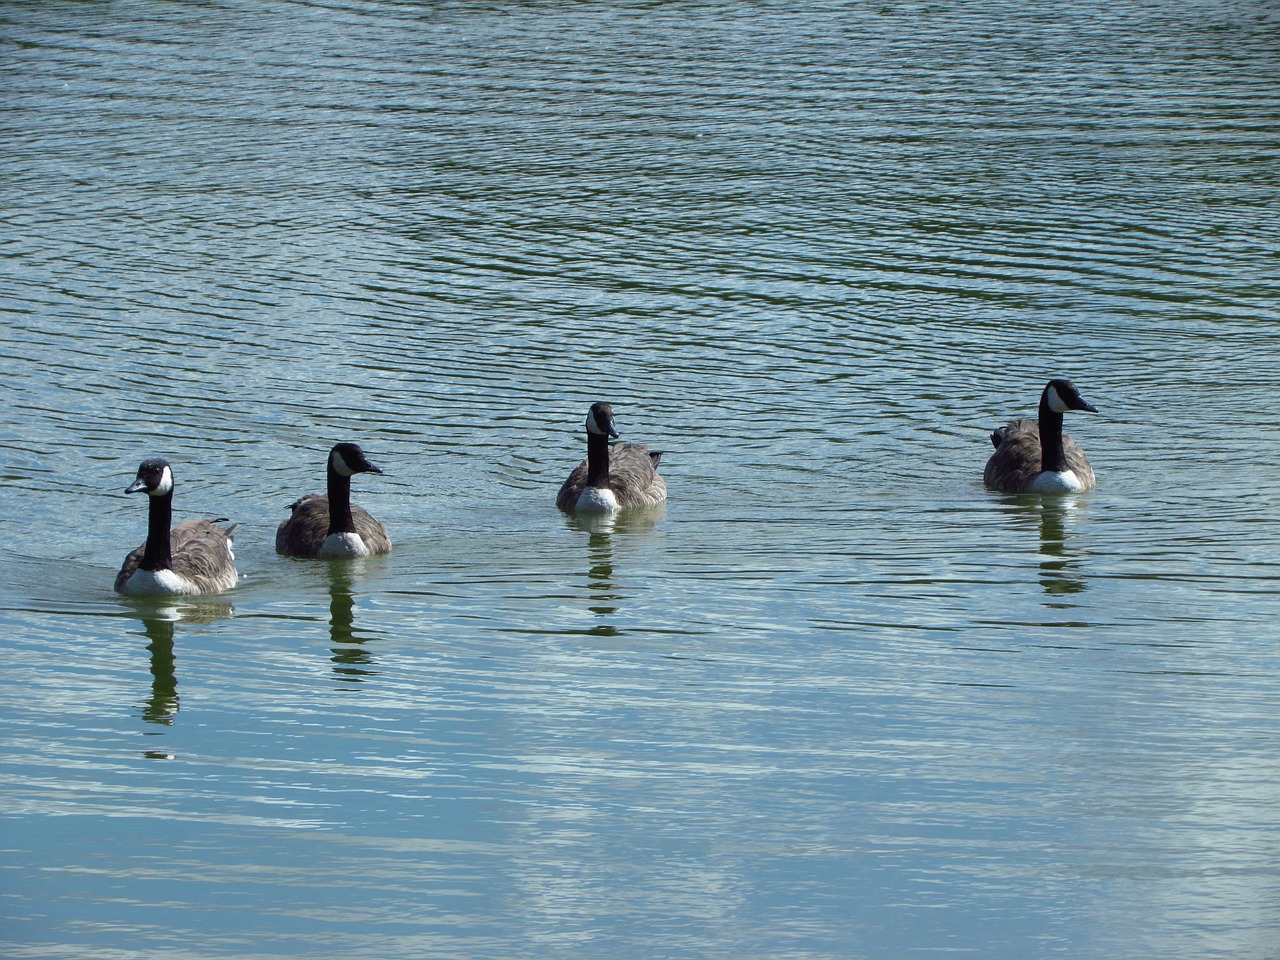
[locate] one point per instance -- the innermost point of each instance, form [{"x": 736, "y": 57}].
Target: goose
[
  {"x": 1037, "y": 457},
  {"x": 192, "y": 558},
  {"x": 612, "y": 477},
  {"x": 331, "y": 526}
]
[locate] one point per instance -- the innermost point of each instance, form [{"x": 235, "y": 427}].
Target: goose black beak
[{"x": 138, "y": 486}]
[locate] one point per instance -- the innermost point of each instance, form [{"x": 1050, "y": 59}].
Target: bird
[
  {"x": 331, "y": 526},
  {"x": 192, "y": 558},
  {"x": 613, "y": 477},
  {"x": 1035, "y": 456}
]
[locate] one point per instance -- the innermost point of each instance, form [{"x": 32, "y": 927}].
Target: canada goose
[
  {"x": 194, "y": 557},
  {"x": 1038, "y": 457},
  {"x": 331, "y": 526},
  {"x": 612, "y": 477}
]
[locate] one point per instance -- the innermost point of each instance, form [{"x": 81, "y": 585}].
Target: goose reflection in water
[
  {"x": 600, "y": 530},
  {"x": 352, "y": 661},
  {"x": 600, "y": 587},
  {"x": 158, "y": 622},
  {"x": 1060, "y": 573},
  {"x": 162, "y": 706},
  {"x": 1059, "y": 566}
]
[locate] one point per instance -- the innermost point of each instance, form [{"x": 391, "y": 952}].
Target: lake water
[{"x": 836, "y": 700}]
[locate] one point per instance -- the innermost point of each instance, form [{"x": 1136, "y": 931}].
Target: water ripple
[{"x": 815, "y": 254}]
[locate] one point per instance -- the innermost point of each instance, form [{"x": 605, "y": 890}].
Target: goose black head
[
  {"x": 1062, "y": 395},
  {"x": 600, "y": 420},
  {"x": 155, "y": 478},
  {"x": 347, "y": 459}
]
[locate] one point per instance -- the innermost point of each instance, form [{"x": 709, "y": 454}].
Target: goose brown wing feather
[
  {"x": 202, "y": 554},
  {"x": 633, "y": 475},
  {"x": 373, "y": 533},
  {"x": 1016, "y": 461},
  {"x": 572, "y": 488},
  {"x": 1078, "y": 462},
  {"x": 129, "y": 567},
  {"x": 303, "y": 531}
]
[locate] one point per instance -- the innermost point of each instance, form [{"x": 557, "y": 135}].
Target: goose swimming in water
[
  {"x": 331, "y": 526},
  {"x": 613, "y": 477},
  {"x": 1036, "y": 456},
  {"x": 192, "y": 558}
]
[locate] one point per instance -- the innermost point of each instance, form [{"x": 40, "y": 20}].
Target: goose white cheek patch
[
  {"x": 340, "y": 466},
  {"x": 165, "y": 486},
  {"x": 593, "y": 426},
  {"x": 1055, "y": 401}
]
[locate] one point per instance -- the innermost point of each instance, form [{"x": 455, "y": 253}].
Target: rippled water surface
[{"x": 836, "y": 699}]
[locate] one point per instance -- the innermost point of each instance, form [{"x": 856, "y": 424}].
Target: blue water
[{"x": 836, "y": 699}]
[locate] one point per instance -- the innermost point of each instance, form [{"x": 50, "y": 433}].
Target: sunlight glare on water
[{"x": 834, "y": 699}]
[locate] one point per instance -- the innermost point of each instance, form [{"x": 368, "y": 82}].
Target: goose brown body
[
  {"x": 304, "y": 533},
  {"x": 613, "y": 476},
  {"x": 1036, "y": 456},
  {"x": 633, "y": 478},
  {"x": 329, "y": 525},
  {"x": 202, "y": 557}
]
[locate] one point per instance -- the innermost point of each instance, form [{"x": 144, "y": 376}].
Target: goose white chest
[
  {"x": 158, "y": 583},
  {"x": 1056, "y": 481},
  {"x": 597, "y": 500},
  {"x": 342, "y": 546}
]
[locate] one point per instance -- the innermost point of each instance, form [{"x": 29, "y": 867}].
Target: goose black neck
[
  {"x": 158, "y": 554},
  {"x": 597, "y": 460},
  {"x": 1053, "y": 456},
  {"x": 340, "y": 503}
]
